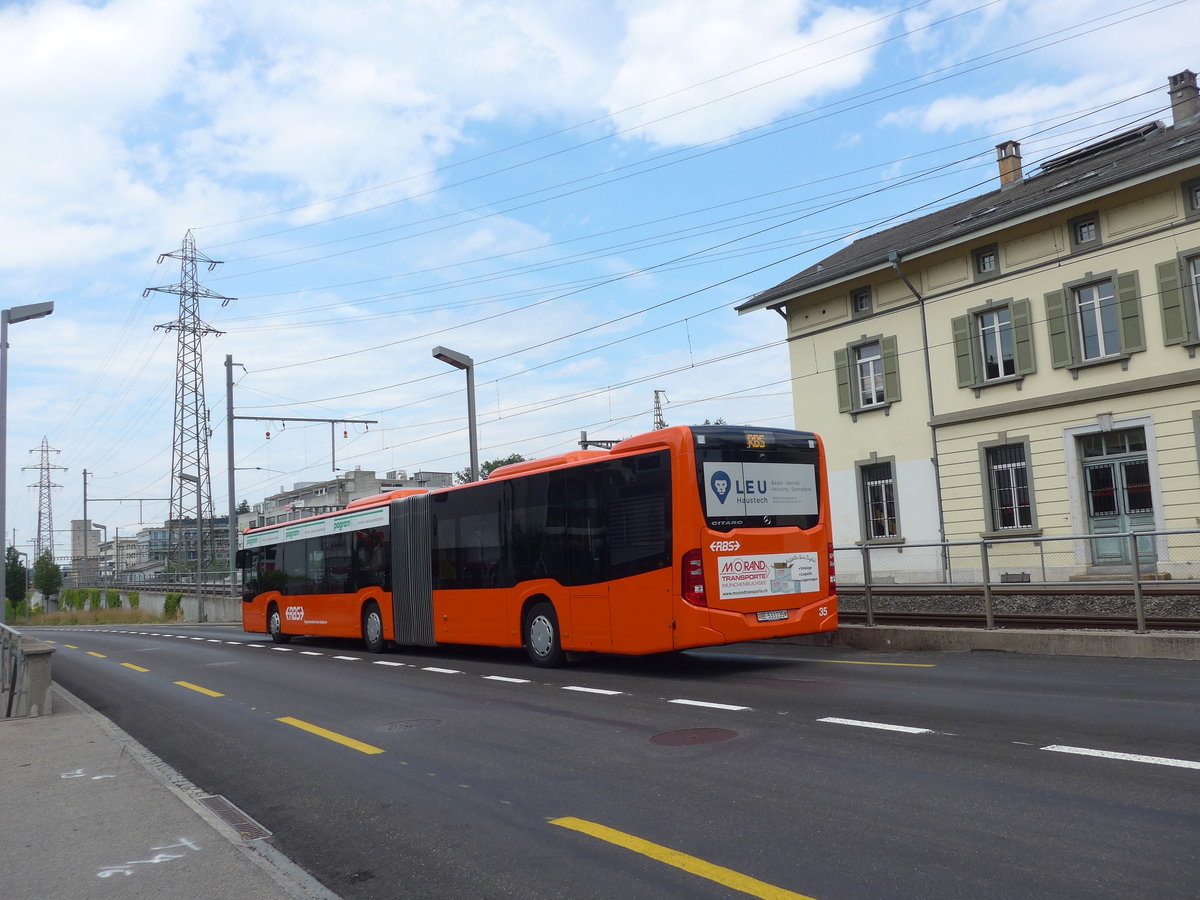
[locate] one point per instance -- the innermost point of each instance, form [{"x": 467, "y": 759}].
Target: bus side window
[
  {"x": 371, "y": 551},
  {"x": 247, "y": 561},
  {"x": 295, "y": 568},
  {"x": 336, "y": 548}
]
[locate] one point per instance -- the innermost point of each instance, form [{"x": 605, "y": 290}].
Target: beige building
[{"x": 1019, "y": 365}]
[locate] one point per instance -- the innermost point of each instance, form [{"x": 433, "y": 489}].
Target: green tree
[
  {"x": 486, "y": 468},
  {"x": 243, "y": 508},
  {"x": 15, "y": 577},
  {"x": 47, "y": 576}
]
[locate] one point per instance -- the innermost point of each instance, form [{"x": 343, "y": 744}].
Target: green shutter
[
  {"x": 1059, "y": 325},
  {"x": 1171, "y": 299},
  {"x": 960, "y": 327},
  {"x": 1129, "y": 302},
  {"x": 1022, "y": 326},
  {"x": 841, "y": 363},
  {"x": 891, "y": 369}
]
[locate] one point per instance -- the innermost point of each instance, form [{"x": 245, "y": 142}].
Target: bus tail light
[
  {"x": 832, "y": 571},
  {"x": 693, "y": 578}
]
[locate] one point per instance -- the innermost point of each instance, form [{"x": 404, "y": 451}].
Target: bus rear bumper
[{"x": 717, "y": 626}]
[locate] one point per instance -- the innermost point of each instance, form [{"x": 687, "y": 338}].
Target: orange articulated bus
[{"x": 683, "y": 537}]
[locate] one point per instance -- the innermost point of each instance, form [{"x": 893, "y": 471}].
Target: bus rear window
[{"x": 757, "y": 479}]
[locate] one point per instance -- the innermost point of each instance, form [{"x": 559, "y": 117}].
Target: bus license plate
[{"x": 775, "y": 615}]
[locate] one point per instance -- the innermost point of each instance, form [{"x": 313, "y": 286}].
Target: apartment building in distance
[{"x": 1021, "y": 364}]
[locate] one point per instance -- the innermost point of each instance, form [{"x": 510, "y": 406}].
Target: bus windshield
[{"x": 757, "y": 479}]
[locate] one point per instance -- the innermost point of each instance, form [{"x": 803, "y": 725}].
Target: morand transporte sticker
[{"x": 762, "y": 576}]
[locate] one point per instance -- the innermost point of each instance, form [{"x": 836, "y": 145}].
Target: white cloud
[{"x": 671, "y": 45}]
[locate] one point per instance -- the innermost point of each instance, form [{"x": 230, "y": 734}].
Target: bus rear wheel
[
  {"x": 542, "y": 642},
  {"x": 275, "y": 626},
  {"x": 372, "y": 629}
]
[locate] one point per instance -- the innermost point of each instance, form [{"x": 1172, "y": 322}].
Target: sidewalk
[{"x": 86, "y": 811}]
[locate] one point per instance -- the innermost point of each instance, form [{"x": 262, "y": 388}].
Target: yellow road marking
[
  {"x": 690, "y": 864},
  {"x": 199, "y": 690},
  {"x": 72, "y": 646},
  {"x": 852, "y": 662},
  {"x": 97, "y": 655},
  {"x": 330, "y": 735},
  {"x": 135, "y": 668}
]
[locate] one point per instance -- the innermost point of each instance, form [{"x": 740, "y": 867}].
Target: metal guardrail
[{"x": 1129, "y": 561}]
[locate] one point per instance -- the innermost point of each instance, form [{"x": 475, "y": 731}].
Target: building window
[
  {"x": 1191, "y": 197},
  {"x": 996, "y": 344},
  {"x": 1179, "y": 300},
  {"x": 993, "y": 343},
  {"x": 1084, "y": 232},
  {"x": 879, "y": 502},
  {"x": 860, "y": 303},
  {"x": 987, "y": 262},
  {"x": 1098, "y": 319},
  {"x": 868, "y": 375},
  {"x": 1008, "y": 487}
]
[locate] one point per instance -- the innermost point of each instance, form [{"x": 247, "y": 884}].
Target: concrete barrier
[{"x": 1123, "y": 644}]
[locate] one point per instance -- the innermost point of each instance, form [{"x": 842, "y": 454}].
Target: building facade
[
  {"x": 1019, "y": 365},
  {"x": 313, "y": 498}
]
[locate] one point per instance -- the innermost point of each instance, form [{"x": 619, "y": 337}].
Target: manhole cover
[
  {"x": 409, "y": 725},
  {"x": 689, "y": 736}
]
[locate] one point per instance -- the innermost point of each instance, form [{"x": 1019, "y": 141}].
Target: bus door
[{"x": 587, "y": 561}]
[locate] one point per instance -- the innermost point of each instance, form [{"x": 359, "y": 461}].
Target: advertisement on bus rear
[
  {"x": 763, "y": 576},
  {"x": 759, "y": 489}
]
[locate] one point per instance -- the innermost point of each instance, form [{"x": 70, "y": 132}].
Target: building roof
[{"x": 1104, "y": 164}]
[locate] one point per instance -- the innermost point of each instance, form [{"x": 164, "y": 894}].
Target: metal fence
[{"x": 1097, "y": 574}]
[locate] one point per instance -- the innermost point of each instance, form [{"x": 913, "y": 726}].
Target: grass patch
[{"x": 94, "y": 617}]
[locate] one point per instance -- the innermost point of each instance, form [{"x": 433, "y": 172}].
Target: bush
[
  {"x": 114, "y": 599},
  {"x": 134, "y": 599},
  {"x": 93, "y": 595},
  {"x": 173, "y": 607}
]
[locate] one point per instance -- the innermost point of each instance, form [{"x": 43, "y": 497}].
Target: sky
[{"x": 576, "y": 195}]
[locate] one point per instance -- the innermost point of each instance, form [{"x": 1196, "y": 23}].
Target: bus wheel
[
  {"x": 541, "y": 636},
  {"x": 275, "y": 626},
  {"x": 372, "y": 629}
]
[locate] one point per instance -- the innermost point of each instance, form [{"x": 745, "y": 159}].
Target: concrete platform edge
[
  {"x": 289, "y": 876},
  {"x": 1121, "y": 644}
]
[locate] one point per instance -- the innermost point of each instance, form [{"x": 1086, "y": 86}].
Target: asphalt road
[{"x": 710, "y": 774}]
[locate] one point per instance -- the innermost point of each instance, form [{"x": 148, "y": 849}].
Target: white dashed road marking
[
  {"x": 710, "y": 705},
  {"x": 883, "y": 726},
  {"x": 1126, "y": 757}
]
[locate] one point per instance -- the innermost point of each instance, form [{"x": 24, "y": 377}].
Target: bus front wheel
[
  {"x": 372, "y": 629},
  {"x": 542, "y": 643},
  {"x": 275, "y": 626}
]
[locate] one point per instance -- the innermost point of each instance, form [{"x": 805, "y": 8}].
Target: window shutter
[
  {"x": 841, "y": 363},
  {"x": 960, "y": 327},
  {"x": 891, "y": 369},
  {"x": 1170, "y": 297},
  {"x": 1022, "y": 325},
  {"x": 1129, "y": 302},
  {"x": 1057, "y": 322}
]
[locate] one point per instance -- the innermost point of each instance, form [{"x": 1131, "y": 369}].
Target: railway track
[{"x": 979, "y": 620}]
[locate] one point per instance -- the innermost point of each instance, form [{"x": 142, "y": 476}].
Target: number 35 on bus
[{"x": 683, "y": 537}]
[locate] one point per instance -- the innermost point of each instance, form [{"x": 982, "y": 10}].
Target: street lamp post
[
  {"x": 464, "y": 362},
  {"x": 11, "y": 316}
]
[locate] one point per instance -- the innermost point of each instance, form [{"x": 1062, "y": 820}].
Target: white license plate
[{"x": 775, "y": 615}]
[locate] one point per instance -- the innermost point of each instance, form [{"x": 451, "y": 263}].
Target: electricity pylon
[
  {"x": 659, "y": 422},
  {"x": 45, "y": 527},
  {"x": 191, "y": 486}
]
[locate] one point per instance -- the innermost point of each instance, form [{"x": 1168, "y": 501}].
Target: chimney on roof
[
  {"x": 1185, "y": 100},
  {"x": 1008, "y": 155}
]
